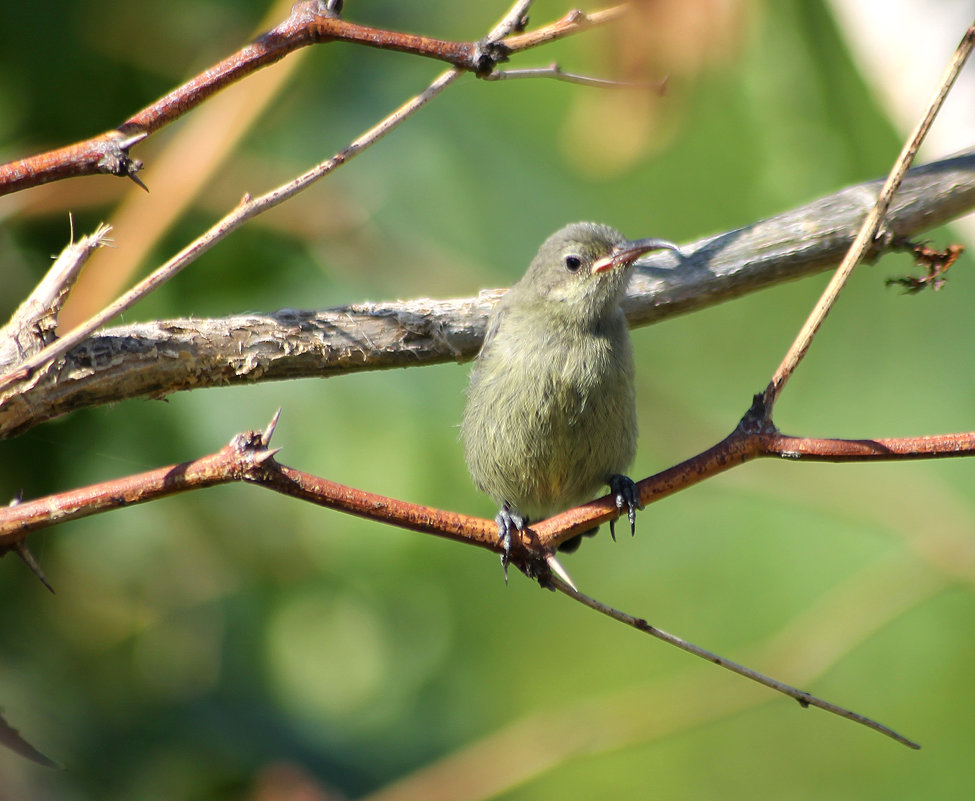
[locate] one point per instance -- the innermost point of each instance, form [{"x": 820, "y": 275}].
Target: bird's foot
[
  {"x": 625, "y": 492},
  {"x": 508, "y": 522}
]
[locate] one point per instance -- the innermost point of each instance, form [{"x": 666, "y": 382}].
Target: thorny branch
[
  {"x": 751, "y": 439},
  {"x": 310, "y": 22},
  {"x": 248, "y": 458}
]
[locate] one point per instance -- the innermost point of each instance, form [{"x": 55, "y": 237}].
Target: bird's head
[{"x": 581, "y": 271}]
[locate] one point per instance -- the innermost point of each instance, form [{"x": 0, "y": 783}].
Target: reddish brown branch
[
  {"x": 742, "y": 445},
  {"x": 226, "y": 465},
  {"x": 247, "y": 458},
  {"x": 309, "y": 23},
  {"x": 425, "y": 519}
]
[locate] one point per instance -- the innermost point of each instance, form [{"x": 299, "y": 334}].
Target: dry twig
[
  {"x": 871, "y": 226},
  {"x": 804, "y": 698}
]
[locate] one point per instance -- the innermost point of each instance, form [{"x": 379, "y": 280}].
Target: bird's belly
[{"x": 559, "y": 443}]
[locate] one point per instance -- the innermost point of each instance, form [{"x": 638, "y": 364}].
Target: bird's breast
[{"x": 552, "y": 416}]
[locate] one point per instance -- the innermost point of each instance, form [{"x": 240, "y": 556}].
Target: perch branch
[
  {"x": 754, "y": 437},
  {"x": 247, "y": 457}
]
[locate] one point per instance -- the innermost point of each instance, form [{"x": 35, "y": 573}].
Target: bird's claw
[
  {"x": 508, "y": 521},
  {"x": 625, "y": 492}
]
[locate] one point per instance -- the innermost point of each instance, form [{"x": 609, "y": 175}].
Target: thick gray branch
[{"x": 157, "y": 358}]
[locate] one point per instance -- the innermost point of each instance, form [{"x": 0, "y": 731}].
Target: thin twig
[
  {"x": 868, "y": 232},
  {"x": 512, "y": 21},
  {"x": 664, "y": 707},
  {"x": 553, "y": 70},
  {"x": 245, "y": 210},
  {"x": 33, "y": 324},
  {"x": 804, "y": 698},
  {"x": 570, "y": 24}
]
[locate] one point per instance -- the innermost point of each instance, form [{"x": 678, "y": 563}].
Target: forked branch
[{"x": 310, "y": 22}]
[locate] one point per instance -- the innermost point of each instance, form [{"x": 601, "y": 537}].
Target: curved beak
[{"x": 626, "y": 252}]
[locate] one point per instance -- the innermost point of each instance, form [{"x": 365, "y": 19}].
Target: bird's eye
[{"x": 572, "y": 263}]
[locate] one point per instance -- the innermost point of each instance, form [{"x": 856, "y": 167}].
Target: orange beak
[{"x": 625, "y": 252}]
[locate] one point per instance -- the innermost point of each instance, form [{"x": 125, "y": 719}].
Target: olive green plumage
[{"x": 551, "y": 415}]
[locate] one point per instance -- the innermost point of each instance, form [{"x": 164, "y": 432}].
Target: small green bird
[{"x": 551, "y": 415}]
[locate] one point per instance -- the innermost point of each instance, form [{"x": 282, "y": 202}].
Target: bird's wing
[{"x": 494, "y": 323}]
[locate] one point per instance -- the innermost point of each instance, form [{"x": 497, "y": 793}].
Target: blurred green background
[{"x": 233, "y": 644}]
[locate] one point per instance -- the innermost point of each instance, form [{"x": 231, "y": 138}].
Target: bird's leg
[
  {"x": 507, "y": 521},
  {"x": 624, "y": 489}
]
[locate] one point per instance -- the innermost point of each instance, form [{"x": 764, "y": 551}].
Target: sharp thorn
[
  {"x": 269, "y": 430},
  {"x": 136, "y": 179},
  {"x": 132, "y": 139},
  {"x": 24, "y": 553},
  {"x": 556, "y": 567}
]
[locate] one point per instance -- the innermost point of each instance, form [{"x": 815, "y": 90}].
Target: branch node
[
  {"x": 114, "y": 157},
  {"x": 758, "y": 418},
  {"x": 487, "y": 55}
]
